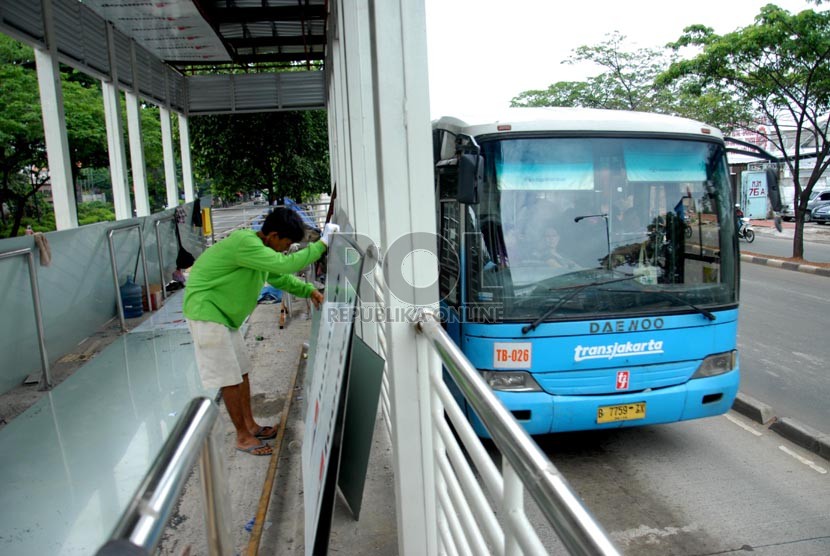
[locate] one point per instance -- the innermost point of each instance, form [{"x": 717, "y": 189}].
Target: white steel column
[
  {"x": 169, "y": 158},
  {"x": 345, "y": 194},
  {"x": 187, "y": 169},
  {"x": 116, "y": 152},
  {"x": 142, "y": 200},
  {"x": 54, "y": 127},
  {"x": 406, "y": 197},
  {"x": 360, "y": 132}
]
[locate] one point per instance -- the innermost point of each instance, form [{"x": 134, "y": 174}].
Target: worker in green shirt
[{"x": 221, "y": 292}]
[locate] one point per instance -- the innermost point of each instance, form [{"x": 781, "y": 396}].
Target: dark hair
[{"x": 286, "y": 223}]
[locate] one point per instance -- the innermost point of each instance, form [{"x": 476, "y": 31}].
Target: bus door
[
  {"x": 449, "y": 218},
  {"x": 449, "y": 249}
]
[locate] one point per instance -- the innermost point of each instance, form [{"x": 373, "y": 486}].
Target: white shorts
[{"x": 221, "y": 354}]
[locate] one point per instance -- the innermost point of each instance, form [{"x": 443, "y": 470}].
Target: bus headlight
[
  {"x": 511, "y": 381},
  {"x": 717, "y": 364}
]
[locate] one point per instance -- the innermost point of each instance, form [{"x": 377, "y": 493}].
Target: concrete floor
[{"x": 276, "y": 358}]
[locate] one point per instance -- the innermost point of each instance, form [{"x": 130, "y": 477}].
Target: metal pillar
[
  {"x": 404, "y": 167},
  {"x": 358, "y": 83},
  {"x": 169, "y": 159},
  {"x": 142, "y": 200},
  {"x": 115, "y": 135},
  {"x": 187, "y": 168},
  {"x": 54, "y": 127},
  {"x": 117, "y": 154}
]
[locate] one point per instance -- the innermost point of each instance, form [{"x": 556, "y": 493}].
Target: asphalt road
[
  {"x": 783, "y": 247},
  {"x": 722, "y": 485},
  {"x": 769, "y": 242},
  {"x": 783, "y": 342}
]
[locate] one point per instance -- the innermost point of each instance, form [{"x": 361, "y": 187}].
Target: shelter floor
[
  {"x": 73, "y": 457},
  {"x": 276, "y": 354}
]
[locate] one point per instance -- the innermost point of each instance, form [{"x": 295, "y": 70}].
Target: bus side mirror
[{"x": 470, "y": 175}]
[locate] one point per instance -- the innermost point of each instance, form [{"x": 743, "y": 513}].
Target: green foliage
[
  {"x": 284, "y": 153},
  {"x": 628, "y": 81},
  {"x": 88, "y": 213},
  {"x": 780, "y": 67},
  {"x": 96, "y": 211}
]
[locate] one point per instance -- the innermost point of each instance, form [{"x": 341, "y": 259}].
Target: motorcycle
[{"x": 745, "y": 231}]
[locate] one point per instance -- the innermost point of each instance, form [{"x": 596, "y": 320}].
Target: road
[
  {"x": 783, "y": 342},
  {"x": 783, "y": 247},
  {"x": 724, "y": 485}
]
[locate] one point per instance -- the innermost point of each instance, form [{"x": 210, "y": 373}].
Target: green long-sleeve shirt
[{"x": 226, "y": 280}]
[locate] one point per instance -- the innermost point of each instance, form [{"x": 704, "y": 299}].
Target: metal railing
[
  {"x": 162, "y": 281},
  {"x": 469, "y": 524},
  {"x": 317, "y": 212},
  {"x": 141, "y": 526},
  {"x": 226, "y": 220},
  {"x": 45, "y": 382},
  {"x": 118, "y": 300},
  {"x": 379, "y": 286}
]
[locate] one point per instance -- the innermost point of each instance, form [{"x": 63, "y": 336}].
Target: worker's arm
[
  {"x": 291, "y": 284},
  {"x": 254, "y": 254}
]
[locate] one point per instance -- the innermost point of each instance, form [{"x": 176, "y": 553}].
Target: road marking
[
  {"x": 743, "y": 426},
  {"x": 805, "y": 461}
]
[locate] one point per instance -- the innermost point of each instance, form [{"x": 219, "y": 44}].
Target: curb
[
  {"x": 804, "y": 436},
  {"x": 786, "y": 265},
  {"x": 797, "y": 433},
  {"x": 756, "y": 410}
]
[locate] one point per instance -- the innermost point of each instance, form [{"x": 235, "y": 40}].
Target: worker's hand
[
  {"x": 329, "y": 230},
  {"x": 317, "y": 298}
]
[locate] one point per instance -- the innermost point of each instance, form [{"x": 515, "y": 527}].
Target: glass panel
[{"x": 643, "y": 224}]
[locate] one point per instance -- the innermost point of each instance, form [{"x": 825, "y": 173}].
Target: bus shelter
[{"x": 365, "y": 62}]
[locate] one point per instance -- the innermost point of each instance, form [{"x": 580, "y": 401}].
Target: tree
[
  {"x": 284, "y": 153},
  {"x": 85, "y": 128},
  {"x": 21, "y": 132},
  {"x": 780, "y": 66},
  {"x": 22, "y": 145},
  {"x": 628, "y": 82}
]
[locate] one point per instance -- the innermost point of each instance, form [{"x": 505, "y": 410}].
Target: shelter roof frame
[{"x": 90, "y": 44}]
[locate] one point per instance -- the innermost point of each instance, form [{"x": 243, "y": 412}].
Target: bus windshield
[{"x": 562, "y": 221}]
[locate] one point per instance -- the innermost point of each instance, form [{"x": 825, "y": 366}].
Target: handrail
[
  {"x": 576, "y": 527},
  {"x": 45, "y": 382},
  {"x": 114, "y": 263},
  {"x": 141, "y": 526},
  {"x": 161, "y": 255}
]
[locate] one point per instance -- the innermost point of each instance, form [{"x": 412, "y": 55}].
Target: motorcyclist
[{"x": 739, "y": 214}]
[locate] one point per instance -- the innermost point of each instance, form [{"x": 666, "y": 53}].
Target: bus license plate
[{"x": 622, "y": 412}]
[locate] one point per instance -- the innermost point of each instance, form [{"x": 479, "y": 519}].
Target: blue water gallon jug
[{"x": 131, "y": 299}]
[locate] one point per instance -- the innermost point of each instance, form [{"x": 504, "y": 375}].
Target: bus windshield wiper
[
  {"x": 570, "y": 295},
  {"x": 705, "y": 312}
]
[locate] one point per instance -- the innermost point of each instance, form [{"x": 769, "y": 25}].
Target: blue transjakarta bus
[{"x": 589, "y": 264}]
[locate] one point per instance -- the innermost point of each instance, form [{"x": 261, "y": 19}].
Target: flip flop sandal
[
  {"x": 262, "y": 449},
  {"x": 262, "y": 435},
  {"x": 253, "y": 450}
]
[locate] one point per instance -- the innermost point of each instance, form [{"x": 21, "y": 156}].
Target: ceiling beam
[
  {"x": 259, "y": 42},
  {"x": 217, "y": 15},
  {"x": 279, "y": 57}
]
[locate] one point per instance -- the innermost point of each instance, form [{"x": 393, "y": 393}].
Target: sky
[{"x": 482, "y": 53}]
